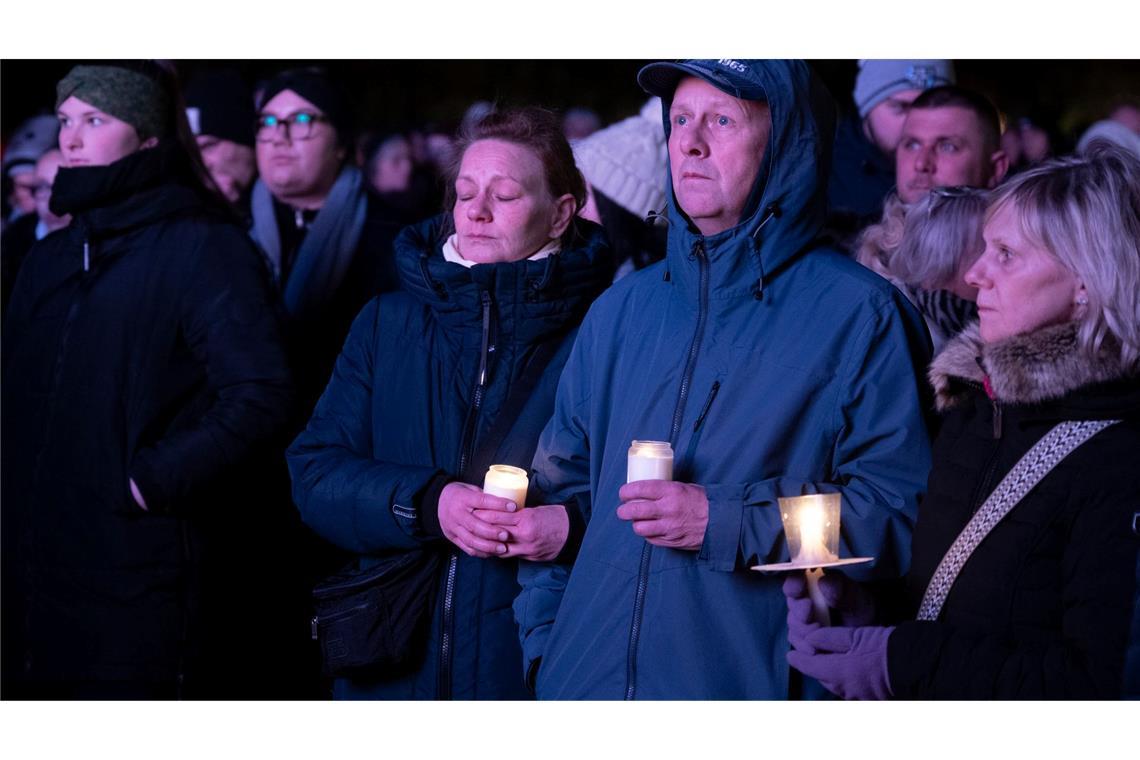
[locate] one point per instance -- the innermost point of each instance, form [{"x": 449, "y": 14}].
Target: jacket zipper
[
  {"x": 57, "y": 372},
  {"x": 467, "y": 447},
  {"x": 678, "y": 412}
]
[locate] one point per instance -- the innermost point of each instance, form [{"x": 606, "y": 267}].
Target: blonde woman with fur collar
[{"x": 1026, "y": 585}]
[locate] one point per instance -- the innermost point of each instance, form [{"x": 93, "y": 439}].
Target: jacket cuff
[
  {"x": 574, "y": 538},
  {"x": 912, "y": 652},
  {"x": 428, "y": 509},
  {"x": 721, "y": 546}
]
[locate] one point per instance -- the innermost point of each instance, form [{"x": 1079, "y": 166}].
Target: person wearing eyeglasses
[
  {"x": 327, "y": 240},
  {"x": 19, "y": 238}
]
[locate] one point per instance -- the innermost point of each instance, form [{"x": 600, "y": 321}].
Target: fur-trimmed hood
[{"x": 1025, "y": 369}]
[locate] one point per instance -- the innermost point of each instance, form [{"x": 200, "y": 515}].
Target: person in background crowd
[
  {"x": 219, "y": 107},
  {"x": 725, "y": 351},
  {"x": 31, "y": 140},
  {"x": 940, "y": 238},
  {"x": 579, "y": 123},
  {"x": 394, "y": 455},
  {"x": 393, "y": 176},
  {"x": 1041, "y": 608},
  {"x": 19, "y": 238},
  {"x": 863, "y": 164},
  {"x": 623, "y": 165},
  {"x": 951, "y": 138},
  {"x": 1127, "y": 113},
  {"x": 141, "y": 363},
  {"x": 328, "y": 241}
]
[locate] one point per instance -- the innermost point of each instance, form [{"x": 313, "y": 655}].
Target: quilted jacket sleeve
[{"x": 349, "y": 498}]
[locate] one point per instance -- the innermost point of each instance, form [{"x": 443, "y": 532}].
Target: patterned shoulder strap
[{"x": 1057, "y": 444}]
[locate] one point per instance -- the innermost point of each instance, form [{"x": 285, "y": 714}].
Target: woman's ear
[
  {"x": 1080, "y": 301},
  {"x": 149, "y": 142},
  {"x": 564, "y": 210}
]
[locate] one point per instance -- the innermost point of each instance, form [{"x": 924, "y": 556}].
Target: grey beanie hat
[
  {"x": 626, "y": 161},
  {"x": 877, "y": 80}
]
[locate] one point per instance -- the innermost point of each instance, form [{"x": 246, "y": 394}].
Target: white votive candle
[
  {"x": 649, "y": 460},
  {"x": 507, "y": 482}
]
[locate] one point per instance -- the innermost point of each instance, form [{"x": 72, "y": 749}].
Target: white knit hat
[
  {"x": 627, "y": 161},
  {"x": 1112, "y": 131}
]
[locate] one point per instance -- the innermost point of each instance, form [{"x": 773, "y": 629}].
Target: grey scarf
[{"x": 327, "y": 249}]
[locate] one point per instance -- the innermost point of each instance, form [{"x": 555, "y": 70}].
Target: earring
[{"x": 1082, "y": 301}]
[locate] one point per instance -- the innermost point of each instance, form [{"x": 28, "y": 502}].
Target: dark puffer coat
[
  {"x": 140, "y": 344},
  {"x": 402, "y": 415},
  {"x": 1042, "y": 608}
]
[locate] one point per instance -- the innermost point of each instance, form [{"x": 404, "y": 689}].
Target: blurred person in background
[
  {"x": 28, "y": 142},
  {"x": 219, "y": 107},
  {"x": 19, "y": 238},
  {"x": 863, "y": 165},
  {"x": 623, "y": 165},
  {"x": 951, "y": 138},
  {"x": 940, "y": 239}
]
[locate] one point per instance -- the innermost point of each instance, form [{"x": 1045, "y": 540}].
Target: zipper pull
[
  {"x": 997, "y": 419},
  {"x": 299, "y": 219},
  {"x": 313, "y": 626},
  {"x": 86, "y": 256}
]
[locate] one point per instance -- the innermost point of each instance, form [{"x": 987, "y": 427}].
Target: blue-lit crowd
[{"x": 259, "y": 362}]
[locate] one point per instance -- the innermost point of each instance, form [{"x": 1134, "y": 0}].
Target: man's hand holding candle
[{"x": 666, "y": 513}]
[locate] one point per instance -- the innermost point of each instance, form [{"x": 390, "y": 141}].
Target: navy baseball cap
[{"x": 734, "y": 77}]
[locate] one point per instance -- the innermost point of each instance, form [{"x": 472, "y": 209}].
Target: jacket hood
[
  {"x": 131, "y": 192},
  {"x": 1043, "y": 366},
  {"x": 533, "y": 297},
  {"x": 788, "y": 202}
]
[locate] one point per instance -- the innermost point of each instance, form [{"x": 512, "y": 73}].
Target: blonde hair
[
  {"x": 942, "y": 236},
  {"x": 878, "y": 242},
  {"x": 1085, "y": 211}
]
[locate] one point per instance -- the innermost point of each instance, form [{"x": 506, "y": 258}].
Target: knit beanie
[
  {"x": 1113, "y": 132},
  {"x": 220, "y": 104},
  {"x": 626, "y": 161},
  {"x": 315, "y": 86},
  {"x": 877, "y": 80},
  {"x": 32, "y": 139},
  {"x": 125, "y": 93}
]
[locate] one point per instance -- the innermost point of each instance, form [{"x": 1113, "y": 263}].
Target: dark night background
[{"x": 1068, "y": 95}]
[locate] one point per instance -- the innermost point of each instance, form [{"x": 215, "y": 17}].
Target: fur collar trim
[{"x": 1023, "y": 369}]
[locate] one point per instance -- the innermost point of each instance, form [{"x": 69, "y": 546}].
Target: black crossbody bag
[{"x": 374, "y": 620}]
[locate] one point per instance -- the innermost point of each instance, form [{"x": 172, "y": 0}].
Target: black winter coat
[
  {"x": 402, "y": 416},
  {"x": 140, "y": 344},
  {"x": 1042, "y": 608}
]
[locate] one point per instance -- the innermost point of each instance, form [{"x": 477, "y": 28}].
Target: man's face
[
  {"x": 230, "y": 164},
  {"x": 716, "y": 144},
  {"x": 944, "y": 147},
  {"x": 884, "y": 122},
  {"x": 298, "y": 170}
]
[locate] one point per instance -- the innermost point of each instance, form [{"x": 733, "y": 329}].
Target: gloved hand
[
  {"x": 849, "y": 662},
  {"x": 850, "y": 603}
]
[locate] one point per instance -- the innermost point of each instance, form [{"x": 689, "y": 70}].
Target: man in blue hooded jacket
[{"x": 773, "y": 366}]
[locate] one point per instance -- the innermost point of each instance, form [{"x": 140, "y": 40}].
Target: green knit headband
[{"x": 127, "y": 95}]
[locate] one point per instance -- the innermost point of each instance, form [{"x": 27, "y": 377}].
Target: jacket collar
[
  {"x": 532, "y": 298},
  {"x": 131, "y": 192},
  {"x": 1025, "y": 369}
]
